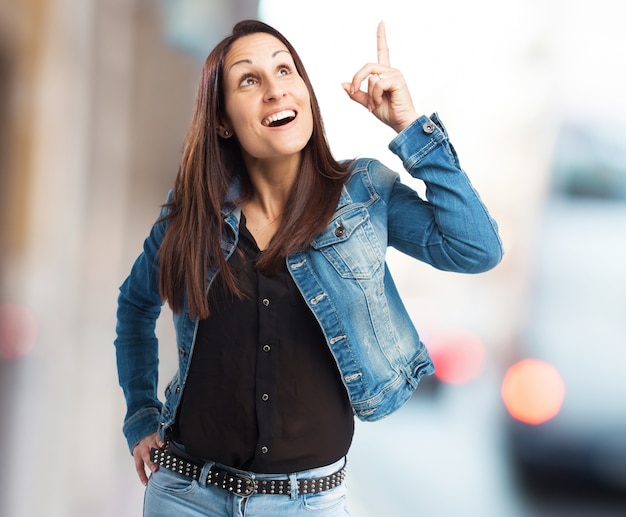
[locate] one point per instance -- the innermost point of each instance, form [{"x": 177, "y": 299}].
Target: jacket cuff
[
  {"x": 418, "y": 139},
  {"x": 140, "y": 425}
]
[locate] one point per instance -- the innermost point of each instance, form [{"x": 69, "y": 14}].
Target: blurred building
[{"x": 95, "y": 99}]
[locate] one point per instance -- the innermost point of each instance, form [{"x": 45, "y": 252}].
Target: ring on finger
[{"x": 380, "y": 76}]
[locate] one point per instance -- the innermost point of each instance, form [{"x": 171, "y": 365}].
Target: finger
[
  {"x": 357, "y": 95},
  {"x": 381, "y": 45},
  {"x": 141, "y": 470},
  {"x": 141, "y": 455},
  {"x": 363, "y": 74},
  {"x": 377, "y": 84},
  {"x": 376, "y": 91}
]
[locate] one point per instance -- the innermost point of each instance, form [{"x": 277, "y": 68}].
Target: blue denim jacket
[{"x": 342, "y": 276}]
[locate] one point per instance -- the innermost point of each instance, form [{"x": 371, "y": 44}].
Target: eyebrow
[{"x": 241, "y": 61}]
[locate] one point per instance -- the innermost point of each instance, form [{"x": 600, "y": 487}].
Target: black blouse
[{"x": 263, "y": 393}]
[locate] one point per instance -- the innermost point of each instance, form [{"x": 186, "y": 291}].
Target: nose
[{"x": 273, "y": 89}]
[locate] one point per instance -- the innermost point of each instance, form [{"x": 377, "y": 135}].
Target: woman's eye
[
  {"x": 284, "y": 70},
  {"x": 247, "y": 81}
]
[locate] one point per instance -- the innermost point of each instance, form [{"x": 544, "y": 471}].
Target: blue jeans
[{"x": 172, "y": 495}]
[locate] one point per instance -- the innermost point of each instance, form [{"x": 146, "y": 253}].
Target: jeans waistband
[
  {"x": 324, "y": 470},
  {"x": 245, "y": 483}
]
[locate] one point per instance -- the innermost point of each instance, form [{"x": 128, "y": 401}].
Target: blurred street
[{"x": 445, "y": 455}]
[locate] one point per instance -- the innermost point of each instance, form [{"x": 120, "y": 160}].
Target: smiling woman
[
  {"x": 259, "y": 74},
  {"x": 271, "y": 254},
  {"x": 268, "y": 109}
]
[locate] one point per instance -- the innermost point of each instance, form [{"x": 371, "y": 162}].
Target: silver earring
[{"x": 226, "y": 132}]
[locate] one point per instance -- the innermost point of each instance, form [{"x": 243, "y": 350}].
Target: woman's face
[{"x": 268, "y": 106}]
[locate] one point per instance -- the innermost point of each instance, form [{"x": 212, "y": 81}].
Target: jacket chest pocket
[{"x": 350, "y": 245}]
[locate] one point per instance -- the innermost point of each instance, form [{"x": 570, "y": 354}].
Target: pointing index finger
[{"x": 381, "y": 44}]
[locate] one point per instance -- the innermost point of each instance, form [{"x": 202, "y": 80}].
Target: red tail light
[
  {"x": 533, "y": 391},
  {"x": 459, "y": 356}
]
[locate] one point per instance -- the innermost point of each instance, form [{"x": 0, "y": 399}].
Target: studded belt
[{"x": 239, "y": 483}]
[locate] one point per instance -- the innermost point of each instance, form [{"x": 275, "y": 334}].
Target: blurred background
[{"x": 527, "y": 413}]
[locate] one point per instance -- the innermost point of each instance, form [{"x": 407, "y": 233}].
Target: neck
[{"x": 271, "y": 182}]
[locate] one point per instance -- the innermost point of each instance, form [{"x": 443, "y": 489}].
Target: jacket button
[
  {"x": 264, "y": 450},
  {"x": 340, "y": 231},
  {"x": 429, "y": 127}
]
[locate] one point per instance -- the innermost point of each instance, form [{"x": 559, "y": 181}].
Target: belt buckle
[{"x": 250, "y": 485}]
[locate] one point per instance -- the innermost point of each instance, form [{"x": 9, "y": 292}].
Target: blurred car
[{"x": 565, "y": 391}]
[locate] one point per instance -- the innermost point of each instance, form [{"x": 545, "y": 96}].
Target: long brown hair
[{"x": 209, "y": 167}]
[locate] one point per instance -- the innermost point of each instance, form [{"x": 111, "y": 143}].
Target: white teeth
[{"x": 279, "y": 116}]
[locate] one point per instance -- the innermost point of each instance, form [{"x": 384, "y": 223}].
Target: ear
[{"x": 224, "y": 132}]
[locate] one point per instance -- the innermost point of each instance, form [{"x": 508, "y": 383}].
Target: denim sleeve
[
  {"x": 136, "y": 344},
  {"x": 451, "y": 229}
]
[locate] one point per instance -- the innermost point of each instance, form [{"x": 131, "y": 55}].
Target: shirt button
[
  {"x": 428, "y": 127},
  {"x": 265, "y": 397},
  {"x": 264, "y": 450},
  {"x": 339, "y": 231},
  {"x": 266, "y": 348},
  {"x": 266, "y": 302}
]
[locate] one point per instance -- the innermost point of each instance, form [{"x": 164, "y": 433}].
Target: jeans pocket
[
  {"x": 329, "y": 499},
  {"x": 168, "y": 481}
]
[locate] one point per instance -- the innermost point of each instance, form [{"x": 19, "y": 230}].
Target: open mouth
[{"x": 279, "y": 119}]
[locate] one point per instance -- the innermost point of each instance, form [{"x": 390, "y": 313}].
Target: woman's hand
[
  {"x": 141, "y": 454},
  {"x": 387, "y": 94}
]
